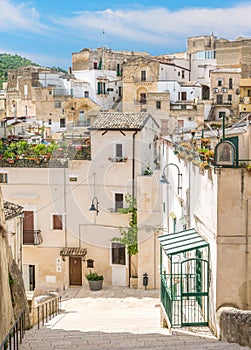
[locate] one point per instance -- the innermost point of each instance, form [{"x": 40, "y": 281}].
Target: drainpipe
[
  {"x": 133, "y": 189},
  {"x": 133, "y": 163}
]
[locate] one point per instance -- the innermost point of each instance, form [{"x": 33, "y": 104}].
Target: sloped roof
[
  {"x": 226, "y": 70},
  {"x": 183, "y": 241},
  {"x": 11, "y": 210},
  {"x": 121, "y": 121},
  {"x": 73, "y": 251},
  {"x": 189, "y": 83}
]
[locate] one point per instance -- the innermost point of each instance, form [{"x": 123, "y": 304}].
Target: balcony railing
[
  {"x": 83, "y": 123},
  {"x": 32, "y": 237}
]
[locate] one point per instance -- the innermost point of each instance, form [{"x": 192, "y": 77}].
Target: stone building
[
  {"x": 225, "y": 90},
  {"x": 161, "y": 86},
  {"x": 206, "y": 230},
  {"x": 61, "y": 234}
]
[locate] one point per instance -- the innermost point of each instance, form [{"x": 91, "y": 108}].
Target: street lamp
[
  {"x": 164, "y": 178},
  {"x": 94, "y": 205}
]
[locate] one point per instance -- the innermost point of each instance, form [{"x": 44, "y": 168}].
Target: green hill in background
[{"x": 8, "y": 61}]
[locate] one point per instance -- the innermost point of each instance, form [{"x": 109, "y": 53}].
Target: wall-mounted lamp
[
  {"x": 164, "y": 178},
  {"x": 94, "y": 205},
  {"x": 90, "y": 263}
]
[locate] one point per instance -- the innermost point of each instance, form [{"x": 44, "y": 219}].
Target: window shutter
[{"x": 57, "y": 222}]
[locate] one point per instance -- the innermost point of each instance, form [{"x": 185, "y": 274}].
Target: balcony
[
  {"x": 82, "y": 123},
  {"x": 118, "y": 159},
  {"x": 32, "y": 237},
  {"x": 143, "y": 81}
]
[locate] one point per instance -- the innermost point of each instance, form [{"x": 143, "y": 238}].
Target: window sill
[{"x": 118, "y": 159}]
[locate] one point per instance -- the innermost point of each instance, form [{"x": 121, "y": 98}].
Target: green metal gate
[
  {"x": 185, "y": 278},
  {"x": 194, "y": 292}
]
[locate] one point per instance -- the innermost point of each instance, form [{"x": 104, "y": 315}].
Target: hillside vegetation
[{"x": 8, "y": 61}]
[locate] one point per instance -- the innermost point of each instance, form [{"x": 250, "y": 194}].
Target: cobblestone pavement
[{"x": 115, "y": 318}]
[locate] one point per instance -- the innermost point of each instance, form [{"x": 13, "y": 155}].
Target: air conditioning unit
[
  {"x": 224, "y": 90},
  {"x": 215, "y": 90}
]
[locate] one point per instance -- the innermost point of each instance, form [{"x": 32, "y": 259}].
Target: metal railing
[
  {"x": 166, "y": 298},
  {"x": 15, "y": 335},
  {"x": 32, "y": 237},
  {"x": 40, "y": 314}
]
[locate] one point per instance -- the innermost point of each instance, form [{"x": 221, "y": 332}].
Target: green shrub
[{"x": 93, "y": 276}]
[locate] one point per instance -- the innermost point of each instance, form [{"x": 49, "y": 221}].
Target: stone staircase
[{"x": 115, "y": 318}]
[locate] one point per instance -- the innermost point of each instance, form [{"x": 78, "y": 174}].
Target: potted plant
[
  {"x": 148, "y": 171},
  {"x": 95, "y": 281}
]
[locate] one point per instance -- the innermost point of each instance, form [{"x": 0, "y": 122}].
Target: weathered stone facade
[
  {"x": 13, "y": 298},
  {"x": 104, "y": 58}
]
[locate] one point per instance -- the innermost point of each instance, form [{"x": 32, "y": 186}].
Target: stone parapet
[{"x": 234, "y": 325}]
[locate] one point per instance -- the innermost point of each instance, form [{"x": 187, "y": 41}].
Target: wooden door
[
  {"x": 28, "y": 227},
  {"x": 75, "y": 269}
]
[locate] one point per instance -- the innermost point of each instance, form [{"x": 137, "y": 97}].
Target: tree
[{"x": 129, "y": 234}]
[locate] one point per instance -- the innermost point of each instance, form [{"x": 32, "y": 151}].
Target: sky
[{"x": 49, "y": 31}]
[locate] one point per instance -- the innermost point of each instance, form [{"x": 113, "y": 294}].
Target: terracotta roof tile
[
  {"x": 120, "y": 121},
  {"x": 11, "y": 210}
]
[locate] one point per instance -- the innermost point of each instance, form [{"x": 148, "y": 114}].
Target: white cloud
[
  {"x": 151, "y": 29},
  {"x": 22, "y": 16},
  {"x": 160, "y": 26}
]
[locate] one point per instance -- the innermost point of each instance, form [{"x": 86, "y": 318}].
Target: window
[
  {"x": 158, "y": 104},
  {"x": 29, "y": 277},
  {"x": 86, "y": 94},
  {"x": 119, "y": 70},
  {"x": 220, "y": 82},
  {"x": 49, "y": 121},
  {"x": 142, "y": 98},
  {"x": 230, "y": 83},
  {"x": 180, "y": 124},
  {"x": 183, "y": 74},
  {"x": 57, "y": 104},
  {"x": 119, "y": 201},
  {"x": 219, "y": 99},
  {"x": 95, "y": 65},
  {"x": 57, "y": 222},
  {"x": 222, "y": 115},
  {"x": 143, "y": 75},
  {"x": 101, "y": 88},
  {"x": 164, "y": 126},
  {"x": 183, "y": 96},
  {"x": 62, "y": 122},
  {"x": 118, "y": 254},
  {"x": 50, "y": 92},
  {"x": 3, "y": 178},
  {"x": 229, "y": 98},
  {"x": 249, "y": 93},
  {"x": 119, "y": 150},
  {"x": 28, "y": 227}
]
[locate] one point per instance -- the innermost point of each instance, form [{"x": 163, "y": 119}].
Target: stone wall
[
  {"x": 234, "y": 325},
  {"x": 6, "y": 311}
]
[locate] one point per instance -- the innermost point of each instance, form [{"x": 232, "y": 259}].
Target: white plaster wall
[{"x": 199, "y": 207}]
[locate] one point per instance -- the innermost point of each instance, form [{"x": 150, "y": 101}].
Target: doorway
[
  {"x": 75, "y": 271},
  {"x": 28, "y": 227}
]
